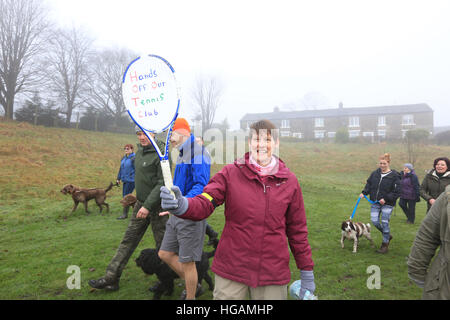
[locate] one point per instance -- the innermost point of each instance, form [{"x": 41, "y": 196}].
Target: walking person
[
  {"x": 183, "y": 240},
  {"x": 383, "y": 187},
  {"x": 435, "y": 181},
  {"x": 264, "y": 212},
  {"x": 434, "y": 232},
  {"x": 126, "y": 175},
  {"x": 409, "y": 193},
  {"x": 149, "y": 180},
  {"x": 210, "y": 232}
]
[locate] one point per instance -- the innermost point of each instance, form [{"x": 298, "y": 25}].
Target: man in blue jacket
[{"x": 183, "y": 240}]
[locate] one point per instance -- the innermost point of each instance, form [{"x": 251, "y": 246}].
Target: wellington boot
[
  {"x": 124, "y": 214},
  {"x": 103, "y": 283}
]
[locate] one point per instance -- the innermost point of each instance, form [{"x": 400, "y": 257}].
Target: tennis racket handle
[{"x": 167, "y": 174}]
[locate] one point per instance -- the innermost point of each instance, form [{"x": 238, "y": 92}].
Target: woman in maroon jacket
[{"x": 264, "y": 212}]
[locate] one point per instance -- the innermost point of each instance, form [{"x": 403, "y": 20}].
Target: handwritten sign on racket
[{"x": 150, "y": 93}]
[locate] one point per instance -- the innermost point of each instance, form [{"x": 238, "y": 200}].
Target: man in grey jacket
[{"x": 434, "y": 232}]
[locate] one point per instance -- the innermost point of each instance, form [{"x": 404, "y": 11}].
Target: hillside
[{"x": 39, "y": 240}]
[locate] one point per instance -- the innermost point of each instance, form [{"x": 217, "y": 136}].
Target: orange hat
[{"x": 182, "y": 124}]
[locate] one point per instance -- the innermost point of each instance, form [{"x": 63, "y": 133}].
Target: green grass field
[{"x": 39, "y": 240}]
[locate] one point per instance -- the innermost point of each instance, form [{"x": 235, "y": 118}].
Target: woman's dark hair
[
  {"x": 445, "y": 159},
  {"x": 266, "y": 125}
]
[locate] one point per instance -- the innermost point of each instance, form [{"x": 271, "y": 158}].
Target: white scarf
[{"x": 264, "y": 171}]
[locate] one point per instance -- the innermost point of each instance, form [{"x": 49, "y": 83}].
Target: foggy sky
[{"x": 273, "y": 53}]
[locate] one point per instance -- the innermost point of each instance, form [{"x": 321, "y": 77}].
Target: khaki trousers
[
  {"x": 133, "y": 235},
  {"x": 225, "y": 289}
]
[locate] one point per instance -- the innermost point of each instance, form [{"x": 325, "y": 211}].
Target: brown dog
[
  {"x": 128, "y": 200},
  {"x": 84, "y": 195}
]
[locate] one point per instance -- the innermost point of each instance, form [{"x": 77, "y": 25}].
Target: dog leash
[{"x": 357, "y": 203}]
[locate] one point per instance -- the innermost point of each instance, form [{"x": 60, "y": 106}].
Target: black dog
[{"x": 150, "y": 263}]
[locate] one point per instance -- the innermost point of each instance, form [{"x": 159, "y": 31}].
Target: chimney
[{"x": 341, "y": 105}]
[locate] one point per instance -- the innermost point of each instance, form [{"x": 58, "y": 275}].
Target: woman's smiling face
[
  {"x": 384, "y": 165},
  {"x": 262, "y": 146},
  {"x": 441, "y": 166}
]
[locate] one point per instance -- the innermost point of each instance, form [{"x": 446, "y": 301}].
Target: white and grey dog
[{"x": 353, "y": 231}]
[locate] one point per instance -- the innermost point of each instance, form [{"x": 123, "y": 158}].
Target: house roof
[
  {"x": 441, "y": 129},
  {"x": 339, "y": 112}
]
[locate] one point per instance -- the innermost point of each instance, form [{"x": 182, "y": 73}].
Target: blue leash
[{"x": 357, "y": 203}]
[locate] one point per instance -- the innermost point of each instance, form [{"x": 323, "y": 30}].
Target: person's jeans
[
  {"x": 378, "y": 211},
  {"x": 128, "y": 187}
]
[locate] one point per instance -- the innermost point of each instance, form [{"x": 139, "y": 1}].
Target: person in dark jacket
[
  {"x": 182, "y": 245},
  {"x": 427, "y": 269},
  {"x": 435, "y": 181},
  {"x": 409, "y": 193},
  {"x": 383, "y": 186},
  {"x": 126, "y": 175},
  {"x": 149, "y": 180},
  {"x": 264, "y": 213}
]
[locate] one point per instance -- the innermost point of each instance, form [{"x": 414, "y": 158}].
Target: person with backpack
[
  {"x": 183, "y": 240},
  {"x": 409, "y": 193},
  {"x": 383, "y": 187},
  {"x": 126, "y": 175},
  {"x": 210, "y": 232}
]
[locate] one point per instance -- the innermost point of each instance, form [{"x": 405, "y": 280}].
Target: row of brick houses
[{"x": 372, "y": 123}]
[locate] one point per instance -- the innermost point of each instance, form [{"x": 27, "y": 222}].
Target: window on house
[
  {"x": 368, "y": 134},
  {"x": 382, "y": 133},
  {"x": 353, "y": 133},
  {"x": 285, "y": 124},
  {"x": 408, "y": 119},
  {"x": 404, "y": 133},
  {"x": 318, "y": 122},
  {"x": 353, "y": 122},
  {"x": 319, "y": 134},
  {"x": 382, "y": 121},
  {"x": 298, "y": 135},
  {"x": 285, "y": 133}
]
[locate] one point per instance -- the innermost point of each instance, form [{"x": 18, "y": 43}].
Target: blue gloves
[
  {"x": 177, "y": 206},
  {"x": 307, "y": 278}
]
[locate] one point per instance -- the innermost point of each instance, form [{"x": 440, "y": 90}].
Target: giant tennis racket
[{"x": 151, "y": 96}]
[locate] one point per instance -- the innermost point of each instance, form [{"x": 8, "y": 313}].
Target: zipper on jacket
[
  {"x": 378, "y": 189},
  {"x": 266, "y": 213}
]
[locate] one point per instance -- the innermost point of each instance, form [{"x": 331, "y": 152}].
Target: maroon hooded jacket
[{"x": 260, "y": 219}]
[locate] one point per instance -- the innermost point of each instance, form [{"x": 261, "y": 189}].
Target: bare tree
[
  {"x": 22, "y": 26},
  {"x": 415, "y": 140},
  {"x": 68, "y": 68},
  {"x": 206, "y": 94},
  {"x": 311, "y": 100},
  {"x": 105, "y": 91}
]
